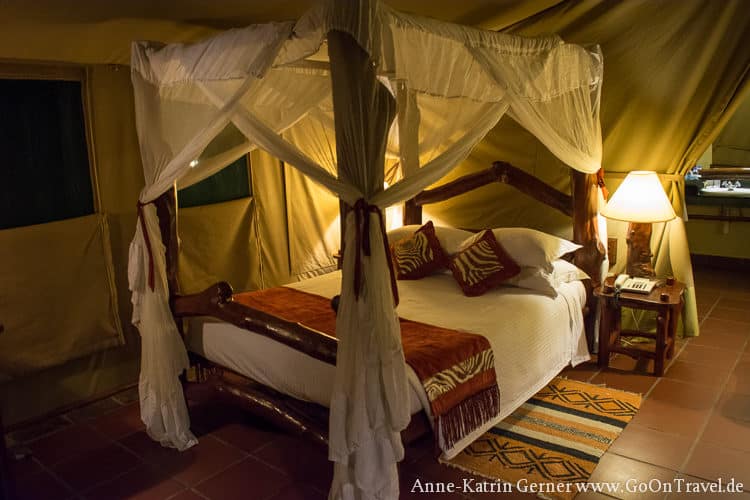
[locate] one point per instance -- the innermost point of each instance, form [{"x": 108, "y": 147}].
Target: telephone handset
[{"x": 625, "y": 283}]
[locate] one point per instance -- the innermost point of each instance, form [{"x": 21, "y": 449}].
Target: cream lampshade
[{"x": 640, "y": 200}]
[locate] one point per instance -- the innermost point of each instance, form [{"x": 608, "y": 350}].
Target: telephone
[{"x": 625, "y": 283}]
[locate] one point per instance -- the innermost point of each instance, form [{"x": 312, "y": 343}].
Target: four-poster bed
[
  {"x": 389, "y": 82},
  {"x": 310, "y": 419}
]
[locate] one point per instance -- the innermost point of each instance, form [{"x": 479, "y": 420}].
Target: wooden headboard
[{"x": 580, "y": 204}]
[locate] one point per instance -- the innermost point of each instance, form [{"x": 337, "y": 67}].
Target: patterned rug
[{"x": 554, "y": 440}]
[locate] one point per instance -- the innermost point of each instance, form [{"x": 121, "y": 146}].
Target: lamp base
[{"x": 639, "y": 250}]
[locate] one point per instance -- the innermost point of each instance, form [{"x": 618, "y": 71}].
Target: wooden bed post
[
  {"x": 584, "y": 188},
  {"x": 166, "y": 210},
  {"x": 586, "y": 224},
  {"x": 412, "y": 212},
  {"x": 343, "y": 211}
]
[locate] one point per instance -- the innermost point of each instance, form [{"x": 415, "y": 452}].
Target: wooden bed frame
[{"x": 311, "y": 420}]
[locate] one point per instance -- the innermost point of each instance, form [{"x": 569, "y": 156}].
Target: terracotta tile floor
[{"x": 694, "y": 424}]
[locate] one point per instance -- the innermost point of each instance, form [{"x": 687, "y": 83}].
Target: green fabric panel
[
  {"x": 218, "y": 242},
  {"x": 45, "y": 175},
  {"x": 231, "y": 183},
  {"x": 271, "y": 219},
  {"x": 67, "y": 267},
  {"x": 732, "y": 145}
]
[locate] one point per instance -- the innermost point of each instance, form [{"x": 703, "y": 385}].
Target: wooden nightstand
[{"x": 666, "y": 300}]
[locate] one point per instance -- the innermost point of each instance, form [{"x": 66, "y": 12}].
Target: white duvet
[{"x": 532, "y": 336}]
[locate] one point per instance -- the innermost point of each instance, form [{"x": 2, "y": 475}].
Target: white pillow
[
  {"x": 565, "y": 272},
  {"x": 534, "y": 278},
  {"x": 532, "y": 248},
  {"x": 402, "y": 232},
  {"x": 450, "y": 238},
  {"x": 539, "y": 280}
]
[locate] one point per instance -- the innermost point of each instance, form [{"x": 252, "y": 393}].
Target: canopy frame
[{"x": 186, "y": 95}]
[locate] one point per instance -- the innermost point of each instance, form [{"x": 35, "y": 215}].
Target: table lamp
[{"x": 640, "y": 200}]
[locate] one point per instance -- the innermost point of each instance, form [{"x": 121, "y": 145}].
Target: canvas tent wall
[
  {"x": 253, "y": 230},
  {"x": 709, "y": 73},
  {"x": 675, "y": 73},
  {"x": 732, "y": 146},
  {"x": 33, "y": 384}
]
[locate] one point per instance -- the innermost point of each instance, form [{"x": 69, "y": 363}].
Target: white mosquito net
[{"x": 351, "y": 88}]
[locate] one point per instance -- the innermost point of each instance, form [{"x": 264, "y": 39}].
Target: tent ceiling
[
  {"x": 33, "y": 30},
  {"x": 235, "y": 13}
]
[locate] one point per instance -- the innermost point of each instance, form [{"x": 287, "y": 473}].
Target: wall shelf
[
  {"x": 723, "y": 218},
  {"x": 717, "y": 201}
]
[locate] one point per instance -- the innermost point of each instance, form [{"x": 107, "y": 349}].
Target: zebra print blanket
[{"x": 456, "y": 369}]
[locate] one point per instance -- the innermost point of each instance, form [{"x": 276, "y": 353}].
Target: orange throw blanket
[{"x": 456, "y": 368}]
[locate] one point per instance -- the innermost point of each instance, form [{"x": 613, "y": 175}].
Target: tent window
[
  {"x": 45, "y": 173},
  {"x": 230, "y": 183}
]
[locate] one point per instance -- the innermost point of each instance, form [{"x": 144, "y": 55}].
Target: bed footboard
[
  {"x": 305, "y": 419},
  {"x": 308, "y": 420},
  {"x": 216, "y": 301}
]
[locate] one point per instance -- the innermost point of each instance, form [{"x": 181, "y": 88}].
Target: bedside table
[{"x": 666, "y": 300}]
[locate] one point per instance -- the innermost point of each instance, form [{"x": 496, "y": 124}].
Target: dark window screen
[
  {"x": 231, "y": 183},
  {"x": 44, "y": 165}
]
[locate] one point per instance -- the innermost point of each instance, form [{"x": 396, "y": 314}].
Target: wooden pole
[
  {"x": 586, "y": 224},
  {"x": 166, "y": 211},
  {"x": 584, "y": 188}
]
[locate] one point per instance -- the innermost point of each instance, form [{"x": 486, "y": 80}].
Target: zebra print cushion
[
  {"x": 482, "y": 264},
  {"x": 419, "y": 255}
]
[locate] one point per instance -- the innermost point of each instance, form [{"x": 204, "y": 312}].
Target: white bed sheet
[{"x": 533, "y": 337}]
